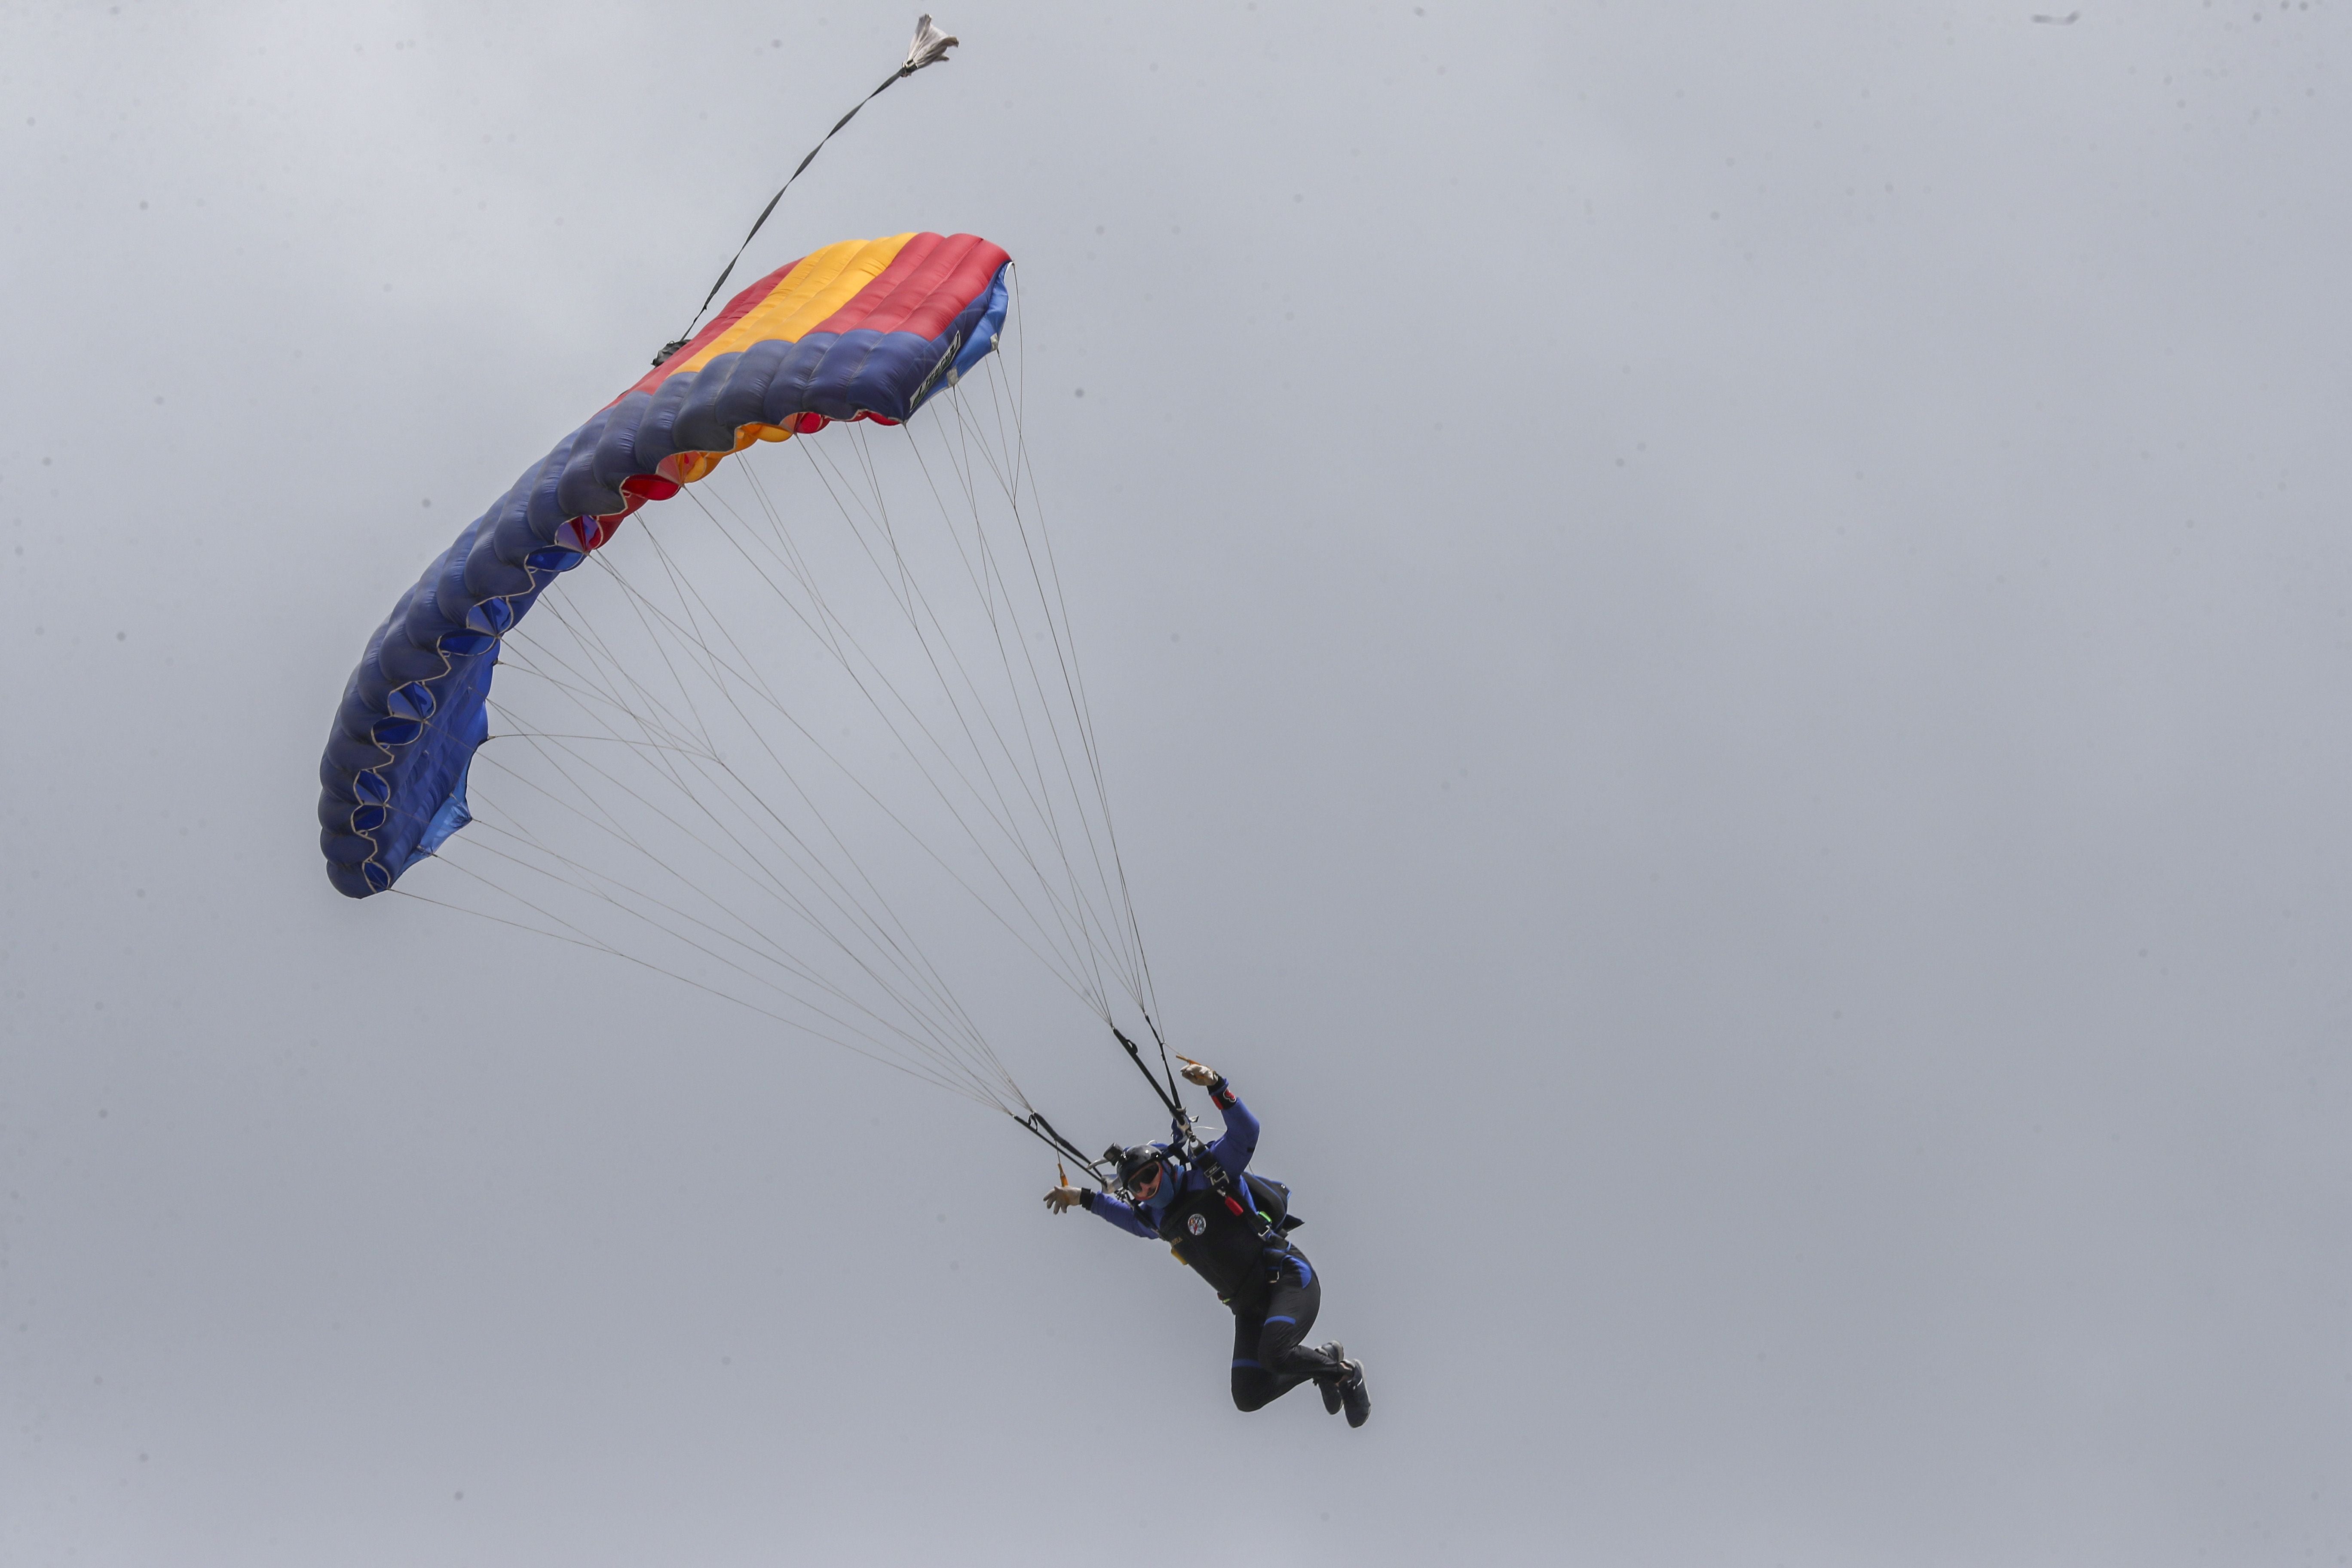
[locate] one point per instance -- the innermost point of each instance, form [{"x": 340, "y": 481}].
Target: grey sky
[{"x": 1719, "y": 637}]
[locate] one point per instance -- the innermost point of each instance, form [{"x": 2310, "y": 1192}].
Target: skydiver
[{"x": 1245, "y": 1254}]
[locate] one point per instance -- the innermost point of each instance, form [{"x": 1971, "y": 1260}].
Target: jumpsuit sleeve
[
  {"x": 1119, "y": 1214},
  {"x": 1239, "y": 1141}
]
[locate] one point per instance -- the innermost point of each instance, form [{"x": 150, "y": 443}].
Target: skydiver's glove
[
  {"x": 1221, "y": 1093},
  {"x": 1064, "y": 1198}
]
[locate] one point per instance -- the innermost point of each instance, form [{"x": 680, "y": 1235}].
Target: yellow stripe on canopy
[{"x": 822, "y": 283}]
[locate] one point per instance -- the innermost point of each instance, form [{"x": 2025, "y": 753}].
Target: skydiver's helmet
[{"x": 1136, "y": 1163}]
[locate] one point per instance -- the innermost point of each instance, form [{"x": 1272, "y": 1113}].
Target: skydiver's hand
[
  {"x": 1064, "y": 1198},
  {"x": 1199, "y": 1073}
]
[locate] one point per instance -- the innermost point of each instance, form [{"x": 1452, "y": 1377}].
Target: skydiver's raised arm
[{"x": 1239, "y": 1141}]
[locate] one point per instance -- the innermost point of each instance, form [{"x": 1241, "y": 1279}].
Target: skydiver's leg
[
  {"x": 1268, "y": 1359},
  {"x": 1252, "y": 1384},
  {"x": 1291, "y": 1311}
]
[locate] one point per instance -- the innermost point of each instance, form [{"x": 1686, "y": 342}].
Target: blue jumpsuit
[{"x": 1276, "y": 1304}]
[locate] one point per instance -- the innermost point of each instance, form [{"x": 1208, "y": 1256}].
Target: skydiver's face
[{"x": 1145, "y": 1183}]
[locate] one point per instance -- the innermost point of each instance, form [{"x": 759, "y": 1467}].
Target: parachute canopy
[{"x": 864, "y": 329}]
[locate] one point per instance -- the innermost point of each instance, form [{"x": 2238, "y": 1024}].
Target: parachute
[
  {"x": 771, "y": 743},
  {"x": 862, "y": 330}
]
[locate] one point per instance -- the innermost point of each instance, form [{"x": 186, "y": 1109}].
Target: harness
[
  {"x": 1196, "y": 1156},
  {"x": 1226, "y": 1251},
  {"x": 1231, "y": 1230}
]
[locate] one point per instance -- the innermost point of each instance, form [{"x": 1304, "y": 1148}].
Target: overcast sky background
[{"x": 1720, "y": 634}]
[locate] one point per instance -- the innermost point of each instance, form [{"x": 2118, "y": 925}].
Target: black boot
[
  {"x": 1351, "y": 1385},
  {"x": 1336, "y": 1355}
]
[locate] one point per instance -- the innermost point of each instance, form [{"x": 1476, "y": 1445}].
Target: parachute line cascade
[{"x": 807, "y": 714}]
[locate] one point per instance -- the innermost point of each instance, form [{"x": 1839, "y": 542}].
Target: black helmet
[{"x": 1133, "y": 1162}]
